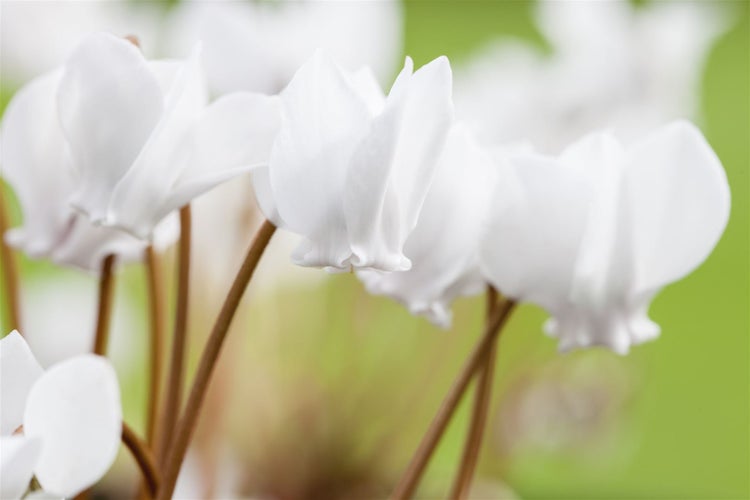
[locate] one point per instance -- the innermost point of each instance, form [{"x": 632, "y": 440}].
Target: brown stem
[
  {"x": 143, "y": 457},
  {"x": 156, "y": 330},
  {"x": 410, "y": 479},
  {"x": 479, "y": 412},
  {"x": 104, "y": 312},
  {"x": 177, "y": 365},
  {"x": 187, "y": 423},
  {"x": 10, "y": 271}
]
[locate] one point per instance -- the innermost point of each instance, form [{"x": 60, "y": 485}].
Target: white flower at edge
[
  {"x": 350, "y": 168},
  {"x": 142, "y": 137},
  {"x": 594, "y": 234},
  {"x": 612, "y": 65},
  {"x": 36, "y": 162},
  {"x": 444, "y": 245},
  {"x": 257, "y": 46},
  {"x": 71, "y": 417}
]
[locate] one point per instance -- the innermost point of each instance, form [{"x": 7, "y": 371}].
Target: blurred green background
[{"x": 326, "y": 391}]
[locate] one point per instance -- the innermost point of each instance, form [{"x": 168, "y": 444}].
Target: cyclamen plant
[{"x": 387, "y": 185}]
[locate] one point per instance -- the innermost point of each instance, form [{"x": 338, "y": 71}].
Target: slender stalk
[
  {"x": 104, "y": 311},
  {"x": 143, "y": 457},
  {"x": 175, "y": 383},
  {"x": 186, "y": 425},
  {"x": 412, "y": 475},
  {"x": 479, "y": 412},
  {"x": 156, "y": 340},
  {"x": 10, "y": 271}
]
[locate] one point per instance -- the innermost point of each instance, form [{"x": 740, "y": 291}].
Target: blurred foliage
[{"x": 326, "y": 391}]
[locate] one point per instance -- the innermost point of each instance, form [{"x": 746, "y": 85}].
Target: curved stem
[
  {"x": 10, "y": 270},
  {"x": 104, "y": 311},
  {"x": 479, "y": 412},
  {"x": 187, "y": 423},
  {"x": 143, "y": 458},
  {"x": 177, "y": 364},
  {"x": 156, "y": 340},
  {"x": 410, "y": 479}
]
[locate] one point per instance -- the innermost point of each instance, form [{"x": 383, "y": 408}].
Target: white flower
[
  {"x": 142, "y": 137},
  {"x": 71, "y": 417},
  {"x": 443, "y": 247},
  {"x": 258, "y": 46},
  {"x": 595, "y": 233},
  {"x": 611, "y": 66},
  {"x": 350, "y": 169},
  {"x": 36, "y": 162}
]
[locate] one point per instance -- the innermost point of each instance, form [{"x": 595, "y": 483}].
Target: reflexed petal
[
  {"x": 33, "y": 148},
  {"x": 19, "y": 370},
  {"x": 393, "y": 167},
  {"x": 444, "y": 244},
  {"x": 678, "y": 203},
  {"x": 74, "y": 408},
  {"x": 235, "y": 134},
  {"x": 109, "y": 103},
  {"x": 534, "y": 231},
  {"x": 264, "y": 195},
  {"x": 145, "y": 187},
  {"x": 18, "y": 456},
  {"x": 323, "y": 118}
]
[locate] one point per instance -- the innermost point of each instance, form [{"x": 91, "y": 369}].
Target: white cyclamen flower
[
  {"x": 142, "y": 137},
  {"x": 444, "y": 245},
  {"x": 594, "y": 234},
  {"x": 36, "y": 162},
  {"x": 71, "y": 417},
  {"x": 350, "y": 168}
]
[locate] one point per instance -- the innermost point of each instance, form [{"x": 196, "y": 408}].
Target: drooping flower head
[
  {"x": 36, "y": 162},
  {"x": 594, "y": 234},
  {"x": 142, "y": 137},
  {"x": 61, "y": 425},
  {"x": 350, "y": 168}
]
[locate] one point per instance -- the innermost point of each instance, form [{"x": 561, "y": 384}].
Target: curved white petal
[
  {"x": 33, "y": 148},
  {"x": 138, "y": 199},
  {"x": 535, "y": 227},
  {"x": 678, "y": 203},
  {"x": 392, "y": 168},
  {"x": 264, "y": 195},
  {"x": 74, "y": 408},
  {"x": 19, "y": 370},
  {"x": 234, "y": 135},
  {"x": 18, "y": 456},
  {"x": 109, "y": 103},
  {"x": 443, "y": 247},
  {"x": 323, "y": 118}
]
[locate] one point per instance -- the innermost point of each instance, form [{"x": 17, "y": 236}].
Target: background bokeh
[{"x": 325, "y": 391}]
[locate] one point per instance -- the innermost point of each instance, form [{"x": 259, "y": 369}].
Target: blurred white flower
[
  {"x": 444, "y": 245},
  {"x": 36, "y": 162},
  {"x": 71, "y": 417},
  {"x": 37, "y": 35},
  {"x": 259, "y": 45},
  {"x": 612, "y": 66},
  {"x": 350, "y": 168},
  {"x": 594, "y": 234},
  {"x": 142, "y": 137}
]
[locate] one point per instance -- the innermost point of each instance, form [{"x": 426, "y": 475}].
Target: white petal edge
[
  {"x": 19, "y": 370},
  {"x": 18, "y": 456}
]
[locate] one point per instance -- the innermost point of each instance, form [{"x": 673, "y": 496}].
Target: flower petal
[
  {"x": 443, "y": 247},
  {"x": 19, "y": 370},
  {"x": 109, "y": 103},
  {"x": 74, "y": 408},
  {"x": 679, "y": 203},
  {"x": 18, "y": 456},
  {"x": 137, "y": 202},
  {"x": 33, "y": 148},
  {"x": 393, "y": 167},
  {"x": 323, "y": 118}
]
